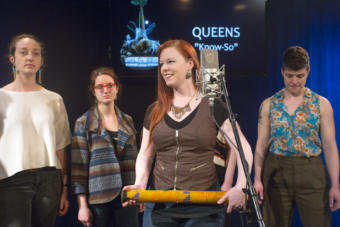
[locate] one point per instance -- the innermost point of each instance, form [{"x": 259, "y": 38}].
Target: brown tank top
[{"x": 184, "y": 157}]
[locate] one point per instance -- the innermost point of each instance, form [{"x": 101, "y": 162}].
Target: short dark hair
[{"x": 295, "y": 58}]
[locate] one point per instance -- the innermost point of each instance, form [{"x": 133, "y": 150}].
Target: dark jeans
[
  {"x": 113, "y": 212},
  {"x": 155, "y": 219},
  {"x": 184, "y": 215},
  {"x": 30, "y": 198},
  {"x": 300, "y": 181}
]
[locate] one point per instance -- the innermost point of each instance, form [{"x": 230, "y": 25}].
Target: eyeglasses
[{"x": 101, "y": 86}]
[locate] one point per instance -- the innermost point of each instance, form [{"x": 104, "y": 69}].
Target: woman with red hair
[{"x": 179, "y": 134}]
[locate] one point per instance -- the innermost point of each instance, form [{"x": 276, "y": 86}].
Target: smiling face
[
  {"x": 295, "y": 80},
  {"x": 27, "y": 56},
  {"x": 105, "y": 89},
  {"x": 174, "y": 67}
]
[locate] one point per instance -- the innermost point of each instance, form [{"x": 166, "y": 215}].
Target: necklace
[{"x": 178, "y": 112}]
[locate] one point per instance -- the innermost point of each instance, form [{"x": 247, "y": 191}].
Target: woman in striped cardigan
[{"x": 103, "y": 156}]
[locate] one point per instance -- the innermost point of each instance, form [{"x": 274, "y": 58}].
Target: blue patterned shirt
[{"x": 297, "y": 134}]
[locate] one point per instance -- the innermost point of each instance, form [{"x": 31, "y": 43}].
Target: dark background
[
  {"x": 175, "y": 19},
  {"x": 77, "y": 35}
]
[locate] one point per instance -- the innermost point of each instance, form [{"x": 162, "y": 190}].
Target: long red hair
[{"x": 165, "y": 94}]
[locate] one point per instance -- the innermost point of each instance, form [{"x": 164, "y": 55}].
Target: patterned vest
[{"x": 297, "y": 134}]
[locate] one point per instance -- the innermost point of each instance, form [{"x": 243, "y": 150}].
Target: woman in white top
[{"x": 34, "y": 132}]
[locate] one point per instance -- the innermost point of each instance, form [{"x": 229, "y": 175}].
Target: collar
[
  {"x": 93, "y": 124},
  {"x": 280, "y": 95}
]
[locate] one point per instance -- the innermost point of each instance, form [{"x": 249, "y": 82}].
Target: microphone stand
[{"x": 254, "y": 206}]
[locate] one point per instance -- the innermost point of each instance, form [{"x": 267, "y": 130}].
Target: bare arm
[
  {"x": 330, "y": 148},
  {"x": 263, "y": 133},
  {"x": 143, "y": 165},
  {"x": 61, "y": 154},
  {"x": 227, "y": 128},
  {"x": 144, "y": 160},
  {"x": 235, "y": 195},
  {"x": 84, "y": 214},
  {"x": 64, "y": 203},
  {"x": 230, "y": 170}
]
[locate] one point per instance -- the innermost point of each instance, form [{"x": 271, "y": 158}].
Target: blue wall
[
  {"x": 312, "y": 24},
  {"x": 315, "y": 25}
]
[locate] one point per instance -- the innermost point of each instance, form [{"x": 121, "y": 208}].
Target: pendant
[{"x": 178, "y": 112}]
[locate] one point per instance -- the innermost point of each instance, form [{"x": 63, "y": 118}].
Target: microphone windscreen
[{"x": 209, "y": 58}]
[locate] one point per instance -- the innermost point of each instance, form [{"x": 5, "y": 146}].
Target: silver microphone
[{"x": 210, "y": 75}]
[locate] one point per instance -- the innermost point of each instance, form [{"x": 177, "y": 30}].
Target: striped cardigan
[{"x": 95, "y": 168}]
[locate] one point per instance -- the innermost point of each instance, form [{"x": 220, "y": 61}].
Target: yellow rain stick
[{"x": 172, "y": 196}]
